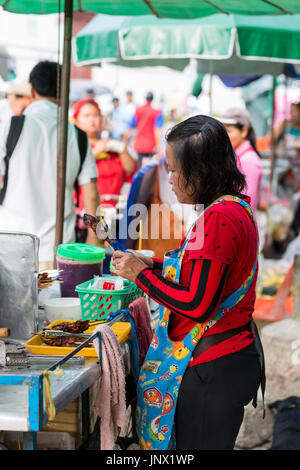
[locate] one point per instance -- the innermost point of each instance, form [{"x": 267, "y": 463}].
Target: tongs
[
  {"x": 114, "y": 317},
  {"x": 92, "y": 222},
  {"x": 55, "y": 333}
]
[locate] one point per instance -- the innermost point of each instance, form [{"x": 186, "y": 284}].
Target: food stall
[{"x": 41, "y": 371}]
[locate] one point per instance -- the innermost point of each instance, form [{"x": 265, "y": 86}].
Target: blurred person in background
[
  {"x": 287, "y": 140},
  {"x": 19, "y": 96},
  {"x": 287, "y": 137},
  {"x": 130, "y": 106},
  {"x": 29, "y": 204},
  {"x": 120, "y": 120},
  {"x": 288, "y": 132},
  {"x": 90, "y": 94},
  {"x": 115, "y": 166},
  {"x": 148, "y": 122},
  {"x": 242, "y": 137}
]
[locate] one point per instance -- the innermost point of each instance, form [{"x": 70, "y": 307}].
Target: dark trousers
[{"x": 211, "y": 400}]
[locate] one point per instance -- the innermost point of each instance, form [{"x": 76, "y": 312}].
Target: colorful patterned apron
[{"x": 166, "y": 360}]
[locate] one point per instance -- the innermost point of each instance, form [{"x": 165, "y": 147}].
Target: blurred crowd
[{"x": 131, "y": 136}]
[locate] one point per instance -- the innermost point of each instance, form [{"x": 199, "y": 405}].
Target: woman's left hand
[{"x": 127, "y": 265}]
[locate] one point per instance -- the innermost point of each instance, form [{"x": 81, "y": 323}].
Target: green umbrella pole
[
  {"x": 273, "y": 143},
  {"x": 211, "y": 75},
  {"x": 63, "y": 127}
]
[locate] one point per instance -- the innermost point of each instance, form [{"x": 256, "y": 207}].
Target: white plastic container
[
  {"x": 148, "y": 253},
  {"x": 68, "y": 308}
]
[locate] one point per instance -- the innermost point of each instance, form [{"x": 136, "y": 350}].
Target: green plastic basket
[{"x": 98, "y": 304}]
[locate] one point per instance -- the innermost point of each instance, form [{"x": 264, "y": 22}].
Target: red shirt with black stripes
[{"x": 219, "y": 257}]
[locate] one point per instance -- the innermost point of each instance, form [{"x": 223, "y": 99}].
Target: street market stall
[
  {"x": 221, "y": 44},
  {"x": 136, "y": 7},
  {"x": 41, "y": 370},
  {"x": 29, "y": 414}
]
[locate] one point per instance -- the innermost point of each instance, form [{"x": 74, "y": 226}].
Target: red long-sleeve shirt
[{"x": 218, "y": 258}]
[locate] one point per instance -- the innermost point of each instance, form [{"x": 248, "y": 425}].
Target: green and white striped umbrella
[
  {"x": 222, "y": 43},
  {"x": 160, "y": 8}
]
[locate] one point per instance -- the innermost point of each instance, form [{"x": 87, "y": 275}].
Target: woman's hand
[
  {"x": 99, "y": 147},
  {"x": 127, "y": 265}
]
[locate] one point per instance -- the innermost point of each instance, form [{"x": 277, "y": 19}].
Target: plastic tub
[
  {"x": 77, "y": 263},
  {"x": 98, "y": 304},
  {"x": 62, "y": 307}
]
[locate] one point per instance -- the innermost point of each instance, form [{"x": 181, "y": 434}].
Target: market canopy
[
  {"x": 134, "y": 41},
  {"x": 161, "y": 8},
  {"x": 222, "y": 43},
  {"x": 187, "y": 9},
  {"x": 252, "y": 44}
]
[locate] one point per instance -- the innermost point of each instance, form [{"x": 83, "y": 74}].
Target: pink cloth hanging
[
  {"x": 140, "y": 312},
  {"x": 110, "y": 403}
]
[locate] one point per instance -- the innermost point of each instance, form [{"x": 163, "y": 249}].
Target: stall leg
[
  {"x": 85, "y": 414},
  {"x": 29, "y": 440}
]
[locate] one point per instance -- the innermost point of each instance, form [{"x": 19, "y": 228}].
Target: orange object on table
[
  {"x": 264, "y": 309},
  {"x": 279, "y": 307},
  {"x": 263, "y": 143}
]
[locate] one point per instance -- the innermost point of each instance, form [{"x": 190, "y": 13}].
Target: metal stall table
[
  {"x": 22, "y": 386},
  {"x": 22, "y": 396}
]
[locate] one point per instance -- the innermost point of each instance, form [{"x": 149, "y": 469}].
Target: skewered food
[
  {"x": 45, "y": 281},
  {"x": 100, "y": 230},
  {"x": 72, "y": 327},
  {"x": 65, "y": 341},
  {"x": 75, "y": 327},
  {"x": 91, "y": 222}
]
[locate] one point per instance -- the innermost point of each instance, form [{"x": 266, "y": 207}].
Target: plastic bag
[
  {"x": 116, "y": 283},
  {"x": 293, "y": 249},
  {"x": 279, "y": 218}
]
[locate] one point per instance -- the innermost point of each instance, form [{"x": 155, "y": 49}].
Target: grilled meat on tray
[{"x": 72, "y": 327}]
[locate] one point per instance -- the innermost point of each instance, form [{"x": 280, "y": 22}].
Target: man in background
[
  {"x": 29, "y": 204},
  {"x": 130, "y": 106},
  {"x": 120, "y": 120},
  {"x": 148, "y": 122}
]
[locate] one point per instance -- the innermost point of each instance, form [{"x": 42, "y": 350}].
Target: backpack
[
  {"x": 14, "y": 133},
  {"x": 82, "y": 146}
]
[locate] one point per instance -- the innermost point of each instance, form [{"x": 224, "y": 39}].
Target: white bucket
[{"x": 68, "y": 308}]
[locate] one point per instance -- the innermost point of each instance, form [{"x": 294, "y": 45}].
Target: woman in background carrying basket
[{"x": 202, "y": 366}]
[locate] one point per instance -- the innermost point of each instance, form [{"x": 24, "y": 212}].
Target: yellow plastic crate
[{"x": 36, "y": 345}]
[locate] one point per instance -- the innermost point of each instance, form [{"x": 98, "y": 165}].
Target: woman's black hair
[
  {"x": 250, "y": 136},
  {"x": 205, "y": 156}
]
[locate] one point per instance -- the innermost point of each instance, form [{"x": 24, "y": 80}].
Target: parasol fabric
[
  {"x": 224, "y": 44},
  {"x": 161, "y": 8}
]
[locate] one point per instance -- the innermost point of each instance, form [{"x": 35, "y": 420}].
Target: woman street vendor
[{"x": 202, "y": 366}]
